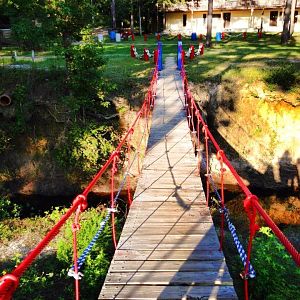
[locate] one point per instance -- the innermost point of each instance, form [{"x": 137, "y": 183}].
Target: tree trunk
[
  {"x": 131, "y": 17},
  {"x": 262, "y": 19},
  {"x": 285, "y": 35},
  {"x": 165, "y": 20},
  {"x": 192, "y": 16},
  {"x": 209, "y": 23},
  {"x": 113, "y": 13},
  {"x": 140, "y": 19},
  {"x": 292, "y": 23}
]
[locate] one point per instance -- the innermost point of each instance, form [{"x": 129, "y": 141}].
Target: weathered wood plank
[
  {"x": 171, "y": 278},
  {"x": 163, "y": 292},
  {"x": 168, "y": 266},
  {"x": 169, "y": 242},
  {"x": 175, "y": 254},
  {"x": 167, "y": 228}
]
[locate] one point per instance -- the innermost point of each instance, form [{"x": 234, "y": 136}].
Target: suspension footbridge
[{"x": 168, "y": 248}]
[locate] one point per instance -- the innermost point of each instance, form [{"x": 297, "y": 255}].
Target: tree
[
  {"x": 113, "y": 13},
  {"x": 285, "y": 35},
  {"x": 70, "y": 17},
  {"x": 30, "y": 24},
  {"x": 292, "y": 22},
  {"x": 209, "y": 23}
]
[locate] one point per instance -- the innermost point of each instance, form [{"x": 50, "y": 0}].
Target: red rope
[{"x": 8, "y": 285}]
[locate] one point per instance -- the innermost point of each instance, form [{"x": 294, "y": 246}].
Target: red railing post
[
  {"x": 251, "y": 213},
  {"x": 198, "y": 150},
  {"x": 205, "y": 130},
  {"x": 112, "y": 199},
  {"x": 128, "y": 167},
  {"x": 222, "y": 171},
  {"x": 75, "y": 228}
]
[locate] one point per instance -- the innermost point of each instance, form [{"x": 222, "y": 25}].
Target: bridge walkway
[{"x": 168, "y": 248}]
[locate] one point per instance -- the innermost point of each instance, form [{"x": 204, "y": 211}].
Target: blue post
[
  {"x": 218, "y": 37},
  {"x": 179, "y": 58},
  {"x": 160, "y": 64}
]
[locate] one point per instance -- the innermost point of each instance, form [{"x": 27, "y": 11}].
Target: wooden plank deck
[{"x": 168, "y": 248}]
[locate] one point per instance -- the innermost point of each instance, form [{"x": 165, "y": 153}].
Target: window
[
  {"x": 296, "y": 16},
  {"x": 204, "y": 18},
  {"x": 184, "y": 17},
  {"x": 216, "y": 15},
  {"x": 273, "y": 17}
]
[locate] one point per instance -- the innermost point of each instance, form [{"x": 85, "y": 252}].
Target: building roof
[{"x": 201, "y": 5}]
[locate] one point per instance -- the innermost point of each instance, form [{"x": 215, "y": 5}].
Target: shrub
[
  {"x": 8, "y": 209},
  {"x": 4, "y": 141},
  {"x": 86, "y": 147},
  {"x": 23, "y": 107},
  {"x": 277, "y": 275},
  {"x": 283, "y": 77},
  {"x": 85, "y": 81}
]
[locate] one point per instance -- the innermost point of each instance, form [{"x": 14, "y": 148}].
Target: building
[{"x": 229, "y": 15}]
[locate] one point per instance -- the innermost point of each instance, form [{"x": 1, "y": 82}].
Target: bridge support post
[
  {"x": 159, "y": 47},
  {"x": 179, "y": 56}
]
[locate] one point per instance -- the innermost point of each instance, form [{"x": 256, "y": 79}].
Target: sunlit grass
[{"x": 223, "y": 55}]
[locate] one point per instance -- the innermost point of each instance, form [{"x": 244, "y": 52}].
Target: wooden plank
[
  {"x": 179, "y": 195},
  {"x": 167, "y": 228},
  {"x": 169, "y": 242},
  {"x": 163, "y": 292},
  {"x": 169, "y": 207},
  {"x": 165, "y": 255},
  {"x": 170, "y": 278},
  {"x": 163, "y": 266}
]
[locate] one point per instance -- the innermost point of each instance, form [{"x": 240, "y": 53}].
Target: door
[{"x": 226, "y": 18}]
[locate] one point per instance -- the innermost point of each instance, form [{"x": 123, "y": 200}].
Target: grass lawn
[
  {"x": 218, "y": 59},
  {"x": 214, "y": 62}
]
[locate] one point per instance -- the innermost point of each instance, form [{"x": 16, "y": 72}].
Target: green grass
[{"x": 223, "y": 55}]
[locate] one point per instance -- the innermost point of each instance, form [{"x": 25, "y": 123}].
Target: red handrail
[
  {"x": 9, "y": 282},
  {"x": 284, "y": 240}
]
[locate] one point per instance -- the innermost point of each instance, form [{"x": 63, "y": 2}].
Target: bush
[
  {"x": 8, "y": 209},
  {"x": 283, "y": 77},
  {"x": 23, "y": 107},
  {"x": 86, "y": 147},
  {"x": 85, "y": 81},
  {"x": 4, "y": 141},
  {"x": 278, "y": 276}
]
